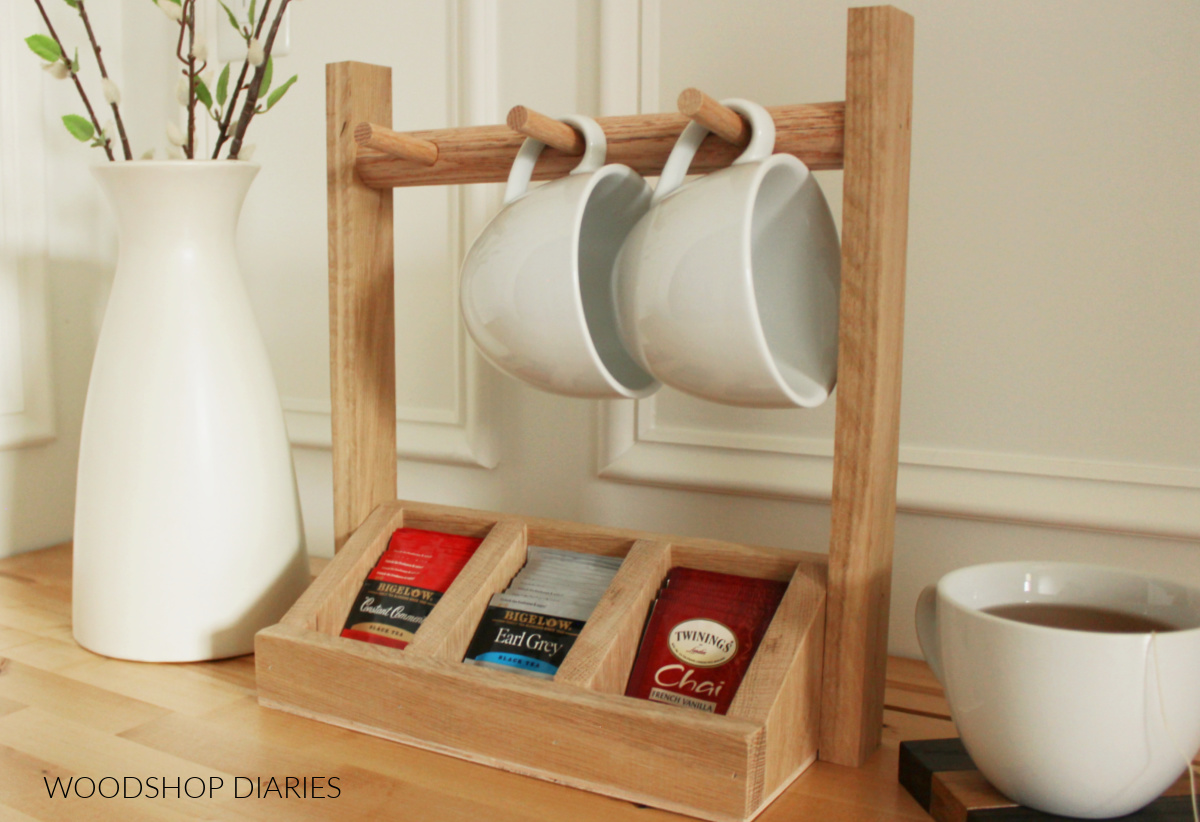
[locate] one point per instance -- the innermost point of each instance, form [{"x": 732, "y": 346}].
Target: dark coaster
[{"x": 942, "y": 778}]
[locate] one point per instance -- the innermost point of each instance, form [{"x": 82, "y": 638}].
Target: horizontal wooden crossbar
[{"x": 814, "y": 132}]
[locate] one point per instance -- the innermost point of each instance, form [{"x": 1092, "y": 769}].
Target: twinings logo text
[{"x": 704, "y": 643}]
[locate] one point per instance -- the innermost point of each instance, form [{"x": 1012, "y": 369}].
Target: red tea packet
[
  {"x": 406, "y": 582},
  {"x": 701, "y": 637}
]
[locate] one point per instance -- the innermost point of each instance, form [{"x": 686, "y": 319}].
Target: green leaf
[
  {"x": 223, "y": 85},
  {"x": 232, "y": 19},
  {"x": 278, "y": 93},
  {"x": 203, "y": 94},
  {"x": 75, "y": 63},
  {"x": 72, "y": 3},
  {"x": 80, "y": 127},
  {"x": 44, "y": 47},
  {"x": 253, "y": 3},
  {"x": 268, "y": 70}
]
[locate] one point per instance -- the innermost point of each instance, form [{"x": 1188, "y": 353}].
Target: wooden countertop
[{"x": 66, "y": 712}]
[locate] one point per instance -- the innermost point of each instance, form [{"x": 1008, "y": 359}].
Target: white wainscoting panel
[
  {"x": 1008, "y": 463},
  {"x": 443, "y": 412},
  {"x": 26, "y": 400}
]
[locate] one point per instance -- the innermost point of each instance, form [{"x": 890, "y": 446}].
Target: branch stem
[
  {"x": 78, "y": 85},
  {"x": 256, "y": 84},
  {"x": 223, "y": 133},
  {"x": 87, "y": 24}
]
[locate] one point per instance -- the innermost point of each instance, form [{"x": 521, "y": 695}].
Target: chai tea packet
[
  {"x": 531, "y": 625},
  {"x": 700, "y": 637},
  {"x": 406, "y": 582}
]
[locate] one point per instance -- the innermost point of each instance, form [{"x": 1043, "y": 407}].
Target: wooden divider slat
[
  {"x": 603, "y": 655},
  {"x": 447, "y": 631}
]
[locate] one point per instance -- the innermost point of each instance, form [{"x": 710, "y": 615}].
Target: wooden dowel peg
[
  {"x": 553, "y": 133},
  {"x": 720, "y": 120},
  {"x": 396, "y": 144},
  {"x": 813, "y": 132}
]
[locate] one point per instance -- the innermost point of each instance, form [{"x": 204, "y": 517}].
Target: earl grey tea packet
[{"x": 532, "y": 624}]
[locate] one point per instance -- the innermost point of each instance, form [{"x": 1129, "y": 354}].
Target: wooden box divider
[{"x": 579, "y": 728}]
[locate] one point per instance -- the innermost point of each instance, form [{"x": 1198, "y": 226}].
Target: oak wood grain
[
  {"x": 183, "y": 720},
  {"x": 362, "y": 332},
  {"x": 870, "y": 341},
  {"x": 717, "y": 118},
  {"x": 484, "y": 154}
]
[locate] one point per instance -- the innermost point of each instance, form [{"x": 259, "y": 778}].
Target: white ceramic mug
[
  {"x": 537, "y": 293},
  {"x": 1067, "y": 721},
  {"x": 728, "y": 287}
]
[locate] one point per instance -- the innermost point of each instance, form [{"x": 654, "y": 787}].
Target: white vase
[{"x": 188, "y": 537}]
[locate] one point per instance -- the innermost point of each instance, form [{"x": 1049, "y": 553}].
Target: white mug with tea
[{"x": 1075, "y": 688}]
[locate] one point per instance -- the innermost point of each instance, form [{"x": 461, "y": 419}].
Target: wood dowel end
[
  {"x": 690, "y": 101},
  {"x": 553, "y": 133},
  {"x": 396, "y": 144},
  {"x": 720, "y": 120}
]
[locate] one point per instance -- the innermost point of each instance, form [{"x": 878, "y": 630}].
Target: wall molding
[
  {"x": 465, "y": 434},
  {"x": 26, "y": 394},
  {"x": 637, "y": 447},
  {"x": 1147, "y": 500}
]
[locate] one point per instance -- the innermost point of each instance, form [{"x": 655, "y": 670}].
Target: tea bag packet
[
  {"x": 406, "y": 582},
  {"x": 531, "y": 625},
  {"x": 700, "y": 637}
]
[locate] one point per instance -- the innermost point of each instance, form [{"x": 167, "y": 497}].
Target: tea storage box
[
  {"x": 815, "y": 686},
  {"x": 579, "y": 729}
]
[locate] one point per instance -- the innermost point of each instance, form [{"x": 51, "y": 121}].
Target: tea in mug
[{"x": 1079, "y": 618}]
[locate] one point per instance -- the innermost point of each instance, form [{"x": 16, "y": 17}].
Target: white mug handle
[
  {"x": 927, "y": 630},
  {"x": 760, "y": 147},
  {"x": 594, "y": 151}
]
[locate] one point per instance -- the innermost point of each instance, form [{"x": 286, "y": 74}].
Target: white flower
[
  {"x": 207, "y": 77},
  {"x": 254, "y": 53},
  {"x": 107, "y": 132},
  {"x": 58, "y": 70},
  {"x": 181, "y": 91},
  {"x": 174, "y": 153},
  {"x": 246, "y": 152},
  {"x": 175, "y": 134},
  {"x": 111, "y": 93},
  {"x": 172, "y": 10},
  {"x": 200, "y": 48},
  {"x": 148, "y": 154}
]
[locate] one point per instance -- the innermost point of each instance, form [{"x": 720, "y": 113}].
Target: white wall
[
  {"x": 58, "y": 249},
  {"x": 1051, "y": 400}
]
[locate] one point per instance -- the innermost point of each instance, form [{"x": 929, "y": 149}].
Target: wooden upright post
[
  {"x": 879, "y": 59},
  {"x": 361, "y": 312}
]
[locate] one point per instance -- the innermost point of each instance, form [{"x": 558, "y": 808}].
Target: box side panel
[
  {"x": 781, "y": 691},
  {"x": 688, "y": 759},
  {"x": 323, "y": 607}
]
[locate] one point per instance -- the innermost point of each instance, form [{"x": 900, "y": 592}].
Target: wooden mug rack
[{"x": 816, "y": 685}]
